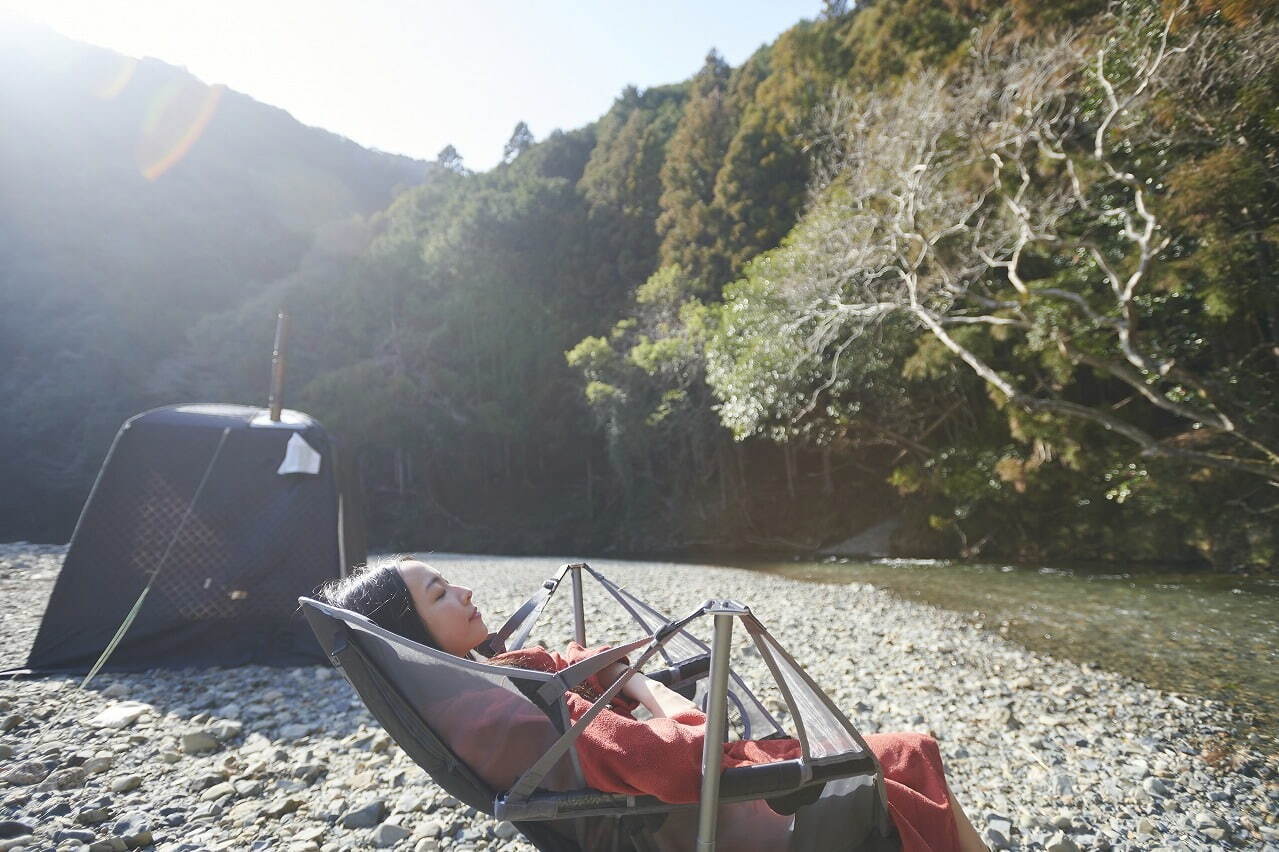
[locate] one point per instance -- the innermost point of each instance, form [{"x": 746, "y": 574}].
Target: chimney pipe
[{"x": 276, "y": 401}]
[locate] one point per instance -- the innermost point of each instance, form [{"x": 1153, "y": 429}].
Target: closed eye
[{"x": 436, "y": 582}]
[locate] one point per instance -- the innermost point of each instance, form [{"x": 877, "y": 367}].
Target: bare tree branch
[{"x": 930, "y": 201}]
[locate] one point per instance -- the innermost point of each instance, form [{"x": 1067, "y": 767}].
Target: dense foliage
[{"x": 998, "y": 273}]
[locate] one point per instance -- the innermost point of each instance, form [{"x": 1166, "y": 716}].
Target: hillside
[{"x": 136, "y": 199}]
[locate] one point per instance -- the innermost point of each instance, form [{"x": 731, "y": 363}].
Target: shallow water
[{"x": 1195, "y": 633}]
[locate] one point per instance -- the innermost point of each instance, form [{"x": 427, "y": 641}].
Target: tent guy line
[{"x": 137, "y": 605}]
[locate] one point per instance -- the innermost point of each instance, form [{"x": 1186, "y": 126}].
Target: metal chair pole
[
  {"x": 579, "y": 612},
  {"x": 716, "y": 727}
]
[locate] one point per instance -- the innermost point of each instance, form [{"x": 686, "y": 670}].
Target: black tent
[{"x": 227, "y": 516}]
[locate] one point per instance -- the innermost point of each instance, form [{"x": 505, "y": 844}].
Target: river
[{"x": 1198, "y": 633}]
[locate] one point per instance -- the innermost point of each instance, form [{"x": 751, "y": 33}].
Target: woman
[{"x": 658, "y": 756}]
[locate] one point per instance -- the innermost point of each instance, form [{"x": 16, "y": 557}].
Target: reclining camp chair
[{"x": 500, "y": 739}]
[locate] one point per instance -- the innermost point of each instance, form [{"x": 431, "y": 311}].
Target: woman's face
[{"x": 446, "y": 610}]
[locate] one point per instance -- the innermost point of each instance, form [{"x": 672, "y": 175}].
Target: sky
[{"x": 411, "y": 76}]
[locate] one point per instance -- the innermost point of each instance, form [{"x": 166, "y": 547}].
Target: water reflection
[{"x": 1214, "y": 635}]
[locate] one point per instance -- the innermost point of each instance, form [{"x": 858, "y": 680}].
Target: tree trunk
[
  {"x": 788, "y": 456},
  {"x": 828, "y": 478}
]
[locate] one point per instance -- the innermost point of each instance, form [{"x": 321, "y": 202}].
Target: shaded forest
[{"x": 999, "y": 273}]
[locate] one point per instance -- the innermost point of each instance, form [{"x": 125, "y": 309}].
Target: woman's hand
[
  {"x": 653, "y": 696},
  {"x": 611, "y": 673}
]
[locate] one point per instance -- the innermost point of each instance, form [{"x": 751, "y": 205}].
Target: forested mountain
[
  {"x": 135, "y": 200},
  {"x": 998, "y": 271}
]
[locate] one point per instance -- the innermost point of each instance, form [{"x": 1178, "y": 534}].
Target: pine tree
[
  {"x": 521, "y": 140},
  {"x": 690, "y": 226},
  {"x": 450, "y": 159}
]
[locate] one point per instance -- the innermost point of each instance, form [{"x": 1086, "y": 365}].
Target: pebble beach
[{"x": 1042, "y": 753}]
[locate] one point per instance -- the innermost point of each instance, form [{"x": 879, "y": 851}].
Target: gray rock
[
  {"x": 388, "y": 834},
  {"x": 247, "y": 787},
  {"x": 280, "y": 807},
  {"x": 126, "y": 783},
  {"x": 207, "y": 811},
  {"x": 1059, "y": 842},
  {"x": 1155, "y": 787},
  {"x": 469, "y": 835},
  {"x": 431, "y": 828},
  {"x": 309, "y": 772},
  {"x": 1064, "y": 821},
  {"x": 407, "y": 803},
  {"x": 198, "y": 742},
  {"x": 206, "y": 780},
  {"x": 6, "y": 751},
  {"x": 1010, "y": 720},
  {"x": 64, "y": 779},
  {"x": 11, "y": 828},
  {"x": 111, "y": 844},
  {"x": 92, "y": 816},
  {"x": 426, "y": 844},
  {"x": 506, "y": 831},
  {"x": 98, "y": 765},
  {"x": 17, "y": 843},
  {"x": 134, "y": 828},
  {"x": 8, "y": 723},
  {"x": 313, "y": 833},
  {"x": 80, "y": 835},
  {"x": 115, "y": 690},
  {"x": 27, "y": 772},
  {"x": 999, "y": 833},
  {"x": 1135, "y": 768},
  {"x": 121, "y": 715},
  {"x": 225, "y": 730},
  {"x": 365, "y": 816},
  {"x": 218, "y": 791}
]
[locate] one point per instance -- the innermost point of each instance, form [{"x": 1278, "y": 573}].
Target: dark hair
[{"x": 378, "y": 592}]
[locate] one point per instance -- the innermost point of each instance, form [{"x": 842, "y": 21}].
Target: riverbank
[
  {"x": 1042, "y": 753},
  {"x": 1182, "y": 631}
]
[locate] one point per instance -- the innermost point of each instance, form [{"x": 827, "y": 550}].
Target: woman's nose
[{"x": 466, "y": 594}]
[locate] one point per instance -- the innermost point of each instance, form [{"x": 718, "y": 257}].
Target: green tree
[
  {"x": 521, "y": 140},
  {"x": 450, "y": 160},
  {"x": 690, "y": 224}
]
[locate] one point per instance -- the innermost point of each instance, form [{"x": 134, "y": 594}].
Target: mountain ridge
[{"x": 136, "y": 199}]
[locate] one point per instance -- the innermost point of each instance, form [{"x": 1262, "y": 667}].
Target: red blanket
[{"x": 663, "y": 757}]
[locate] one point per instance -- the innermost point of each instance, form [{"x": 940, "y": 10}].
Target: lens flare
[
  {"x": 174, "y": 123},
  {"x": 113, "y": 84}
]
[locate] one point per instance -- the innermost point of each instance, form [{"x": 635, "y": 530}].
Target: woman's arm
[{"x": 656, "y": 698}]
